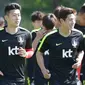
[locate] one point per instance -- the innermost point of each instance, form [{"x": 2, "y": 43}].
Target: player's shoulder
[
  {"x": 35, "y": 30},
  {"x": 50, "y": 34},
  {"x": 2, "y": 30},
  {"x": 84, "y": 36},
  {"x": 2, "y": 33},
  {"x": 24, "y": 30},
  {"x": 77, "y": 31}
]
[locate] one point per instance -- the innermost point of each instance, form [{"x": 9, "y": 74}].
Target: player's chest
[
  {"x": 64, "y": 43},
  {"x": 17, "y": 40}
]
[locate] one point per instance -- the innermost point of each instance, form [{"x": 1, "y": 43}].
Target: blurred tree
[
  {"x": 28, "y": 6},
  {"x": 74, "y": 4},
  {"x": 3, "y": 3},
  {"x": 55, "y": 3}
]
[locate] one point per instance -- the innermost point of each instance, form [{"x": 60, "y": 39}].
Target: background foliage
[{"x": 28, "y": 6}]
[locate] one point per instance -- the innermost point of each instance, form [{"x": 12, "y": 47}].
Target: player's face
[
  {"x": 70, "y": 21},
  {"x": 37, "y": 24},
  {"x": 82, "y": 19},
  {"x": 13, "y": 18}
]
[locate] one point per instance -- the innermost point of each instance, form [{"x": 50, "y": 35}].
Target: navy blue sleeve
[{"x": 28, "y": 40}]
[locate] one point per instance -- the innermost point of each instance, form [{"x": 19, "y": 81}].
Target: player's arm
[
  {"x": 80, "y": 51},
  {"x": 40, "y": 61},
  {"x": 1, "y": 73},
  {"x": 39, "y": 35},
  {"x": 78, "y": 60},
  {"x": 40, "y": 58},
  {"x": 28, "y": 51}
]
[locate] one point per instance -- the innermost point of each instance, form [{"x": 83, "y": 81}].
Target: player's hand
[
  {"x": 78, "y": 60},
  {"x": 1, "y": 74},
  {"x": 22, "y": 52},
  {"x": 46, "y": 73},
  {"x": 77, "y": 64},
  {"x": 41, "y": 33}
]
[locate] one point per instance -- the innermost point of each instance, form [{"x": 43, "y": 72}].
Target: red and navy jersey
[
  {"x": 62, "y": 54},
  {"x": 11, "y": 64}
]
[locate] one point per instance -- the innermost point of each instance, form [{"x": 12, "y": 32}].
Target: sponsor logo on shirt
[
  {"x": 4, "y": 40},
  {"x": 57, "y": 44},
  {"x": 67, "y": 54},
  {"x": 13, "y": 51}
]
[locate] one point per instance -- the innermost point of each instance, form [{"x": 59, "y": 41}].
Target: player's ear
[
  {"x": 61, "y": 20},
  {"x": 5, "y": 17}
]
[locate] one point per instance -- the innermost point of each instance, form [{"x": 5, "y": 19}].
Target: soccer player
[
  {"x": 37, "y": 35},
  {"x": 80, "y": 25},
  {"x": 15, "y": 47},
  {"x": 62, "y": 50},
  {"x": 36, "y": 18},
  {"x": 48, "y": 25}
]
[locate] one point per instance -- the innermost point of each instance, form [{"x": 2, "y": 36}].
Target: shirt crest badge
[
  {"x": 20, "y": 40},
  {"x": 74, "y": 43}
]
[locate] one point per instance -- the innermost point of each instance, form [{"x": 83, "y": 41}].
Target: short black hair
[
  {"x": 65, "y": 11},
  {"x": 37, "y": 15},
  {"x": 11, "y": 6},
  {"x": 82, "y": 9},
  {"x": 48, "y": 21},
  {"x": 57, "y": 10}
]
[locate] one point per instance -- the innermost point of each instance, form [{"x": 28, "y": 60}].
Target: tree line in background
[{"x": 28, "y": 6}]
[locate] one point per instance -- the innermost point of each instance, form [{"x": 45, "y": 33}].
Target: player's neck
[
  {"x": 47, "y": 31},
  {"x": 64, "y": 32},
  {"x": 11, "y": 30}
]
